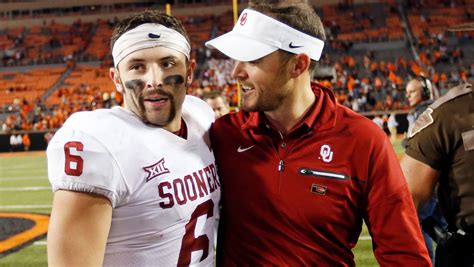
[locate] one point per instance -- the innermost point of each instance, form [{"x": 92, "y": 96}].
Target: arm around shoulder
[{"x": 78, "y": 229}]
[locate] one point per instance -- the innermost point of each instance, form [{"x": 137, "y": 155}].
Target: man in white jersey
[{"x": 137, "y": 185}]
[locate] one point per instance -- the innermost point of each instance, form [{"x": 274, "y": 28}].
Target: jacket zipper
[{"x": 281, "y": 166}]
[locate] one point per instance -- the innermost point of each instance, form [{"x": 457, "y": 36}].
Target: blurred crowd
[{"x": 364, "y": 83}]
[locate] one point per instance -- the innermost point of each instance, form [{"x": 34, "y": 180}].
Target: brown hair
[
  {"x": 149, "y": 16},
  {"x": 215, "y": 95},
  {"x": 297, "y": 14}
]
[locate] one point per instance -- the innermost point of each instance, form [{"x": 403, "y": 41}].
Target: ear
[
  {"x": 300, "y": 65},
  {"x": 114, "y": 75},
  {"x": 190, "y": 71}
]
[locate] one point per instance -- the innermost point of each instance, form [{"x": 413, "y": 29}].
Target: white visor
[
  {"x": 256, "y": 35},
  {"x": 149, "y": 35}
]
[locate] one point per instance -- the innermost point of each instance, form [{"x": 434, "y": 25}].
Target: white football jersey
[{"x": 164, "y": 189}]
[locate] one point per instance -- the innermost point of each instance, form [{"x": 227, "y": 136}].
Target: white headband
[
  {"x": 149, "y": 35},
  {"x": 256, "y": 35}
]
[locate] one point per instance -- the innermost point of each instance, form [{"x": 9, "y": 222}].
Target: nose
[
  {"x": 153, "y": 78},
  {"x": 239, "y": 70}
]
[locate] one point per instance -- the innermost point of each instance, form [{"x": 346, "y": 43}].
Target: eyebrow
[
  {"x": 168, "y": 58},
  {"x": 135, "y": 60}
]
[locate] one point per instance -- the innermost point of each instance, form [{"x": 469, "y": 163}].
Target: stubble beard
[
  {"x": 269, "y": 98},
  {"x": 161, "y": 118},
  {"x": 144, "y": 114}
]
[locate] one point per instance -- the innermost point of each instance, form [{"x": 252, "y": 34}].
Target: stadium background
[{"x": 54, "y": 60}]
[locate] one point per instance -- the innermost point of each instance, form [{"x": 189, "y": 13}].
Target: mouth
[
  {"x": 246, "y": 88},
  {"x": 156, "y": 101}
]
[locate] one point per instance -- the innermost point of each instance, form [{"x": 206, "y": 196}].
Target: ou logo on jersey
[{"x": 326, "y": 153}]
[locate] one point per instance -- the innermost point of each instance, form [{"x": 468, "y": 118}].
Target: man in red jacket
[{"x": 299, "y": 172}]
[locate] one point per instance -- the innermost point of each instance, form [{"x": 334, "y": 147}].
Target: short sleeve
[
  {"x": 427, "y": 145},
  {"x": 79, "y": 162}
]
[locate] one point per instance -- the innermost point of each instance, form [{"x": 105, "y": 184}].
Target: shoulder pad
[
  {"x": 459, "y": 90},
  {"x": 423, "y": 121}
]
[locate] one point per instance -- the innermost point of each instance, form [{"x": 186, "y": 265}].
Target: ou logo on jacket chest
[{"x": 326, "y": 153}]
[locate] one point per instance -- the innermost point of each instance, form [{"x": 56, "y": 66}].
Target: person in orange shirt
[{"x": 26, "y": 141}]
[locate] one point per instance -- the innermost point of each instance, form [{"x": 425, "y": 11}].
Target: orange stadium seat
[
  {"x": 84, "y": 76},
  {"x": 25, "y": 85},
  {"x": 355, "y": 23},
  {"x": 100, "y": 43}
]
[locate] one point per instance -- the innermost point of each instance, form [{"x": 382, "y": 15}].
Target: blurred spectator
[
  {"x": 26, "y": 142},
  {"x": 378, "y": 120},
  {"x": 15, "y": 142},
  {"x": 419, "y": 92},
  {"x": 48, "y": 136},
  {"x": 3, "y": 128},
  {"x": 365, "y": 82},
  {"x": 392, "y": 126},
  {"x": 218, "y": 104}
]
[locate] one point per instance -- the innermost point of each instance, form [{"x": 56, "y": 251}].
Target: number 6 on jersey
[
  {"x": 191, "y": 243},
  {"x": 73, "y": 164}
]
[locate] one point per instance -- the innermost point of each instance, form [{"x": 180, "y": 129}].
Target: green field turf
[
  {"x": 24, "y": 187},
  {"x": 29, "y": 172}
]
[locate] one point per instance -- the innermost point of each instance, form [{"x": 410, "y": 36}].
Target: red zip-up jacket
[{"x": 300, "y": 200}]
